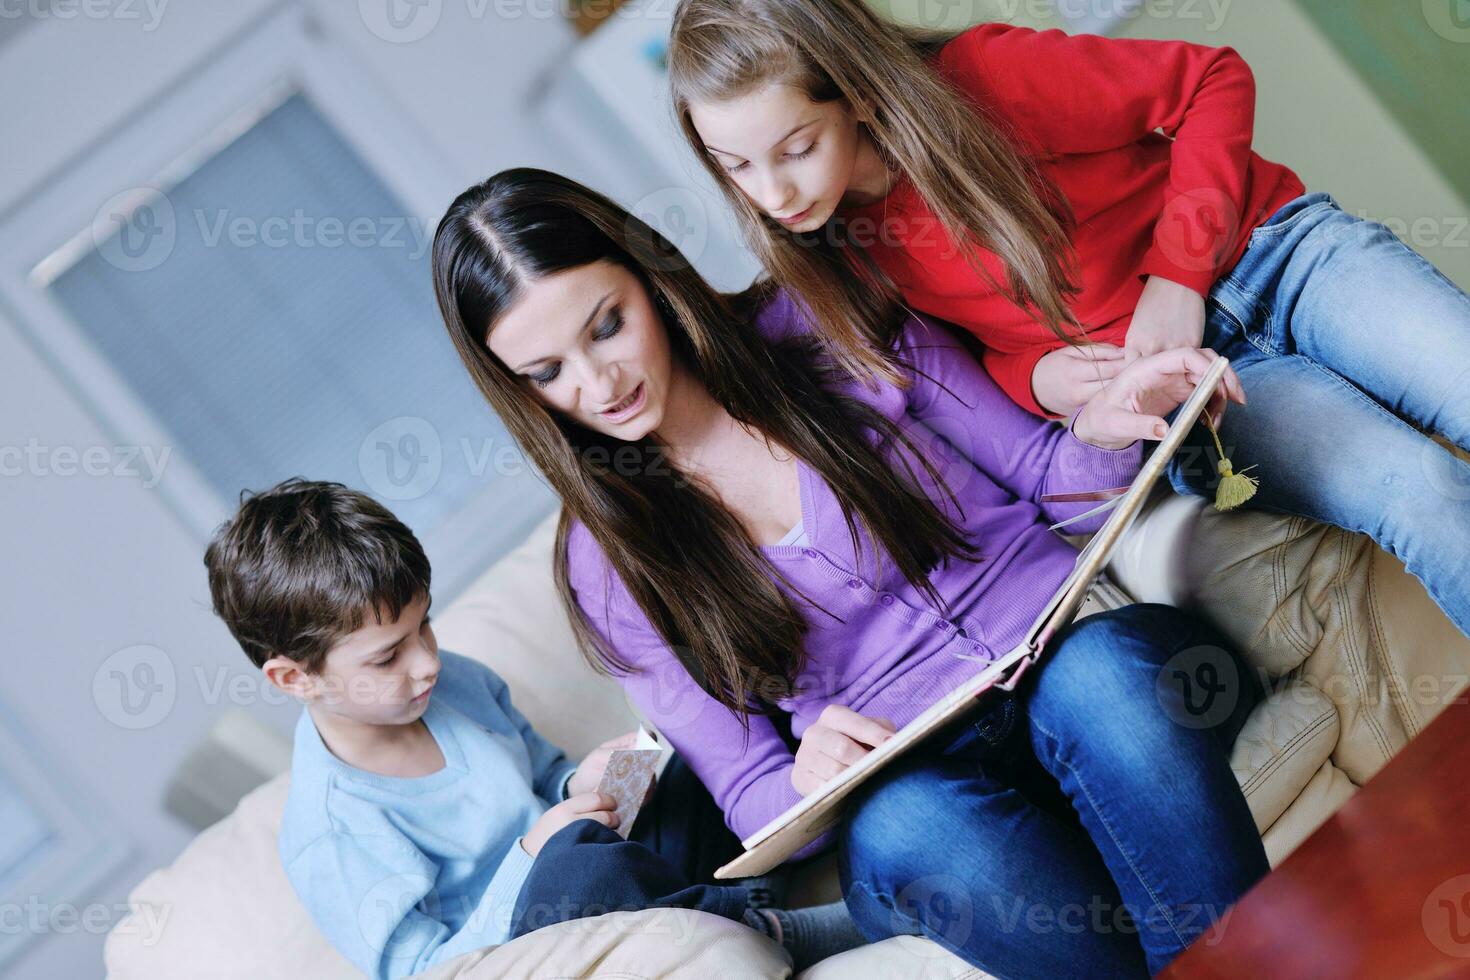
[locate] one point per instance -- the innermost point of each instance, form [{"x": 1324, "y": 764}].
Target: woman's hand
[
  {"x": 1167, "y": 316},
  {"x": 839, "y": 738},
  {"x": 589, "y": 772},
  {"x": 584, "y": 806},
  {"x": 1066, "y": 378},
  {"x": 1134, "y": 405}
]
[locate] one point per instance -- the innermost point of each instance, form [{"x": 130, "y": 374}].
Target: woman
[
  {"x": 1040, "y": 189},
  {"x": 783, "y": 565}
]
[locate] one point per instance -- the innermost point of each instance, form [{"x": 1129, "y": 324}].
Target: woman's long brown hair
[
  {"x": 687, "y": 561},
  {"x": 986, "y": 192}
]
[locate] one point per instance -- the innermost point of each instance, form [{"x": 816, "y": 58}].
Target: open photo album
[{"x": 822, "y": 808}]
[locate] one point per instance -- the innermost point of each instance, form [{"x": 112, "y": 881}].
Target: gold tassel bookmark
[{"x": 1235, "y": 488}]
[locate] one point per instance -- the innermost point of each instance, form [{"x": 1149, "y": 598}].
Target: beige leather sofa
[{"x": 1357, "y": 657}]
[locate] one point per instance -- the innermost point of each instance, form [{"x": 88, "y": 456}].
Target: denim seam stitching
[
  {"x": 1271, "y": 231},
  {"x": 1113, "y": 834},
  {"x": 1259, "y": 312},
  {"x": 1229, "y": 310}
]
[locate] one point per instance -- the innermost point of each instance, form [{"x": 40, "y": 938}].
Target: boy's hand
[
  {"x": 589, "y": 772},
  {"x": 583, "y": 806}
]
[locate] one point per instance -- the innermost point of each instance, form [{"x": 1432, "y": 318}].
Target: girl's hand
[
  {"x": 1168, "y": 315},
  {"x": 1067, "y": 378},
  {"x": 589, "y": 772},
  {"x": 839, "y": 738},
  {"x": 584, "y": 806},
  {"x": 1134, "y": 405}
]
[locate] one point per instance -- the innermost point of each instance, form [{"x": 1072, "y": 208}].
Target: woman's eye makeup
[
  {"x": 609, "y": 327},
  {"x": 803, "y": 154}
]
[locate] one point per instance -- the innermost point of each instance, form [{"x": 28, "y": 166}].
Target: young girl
[
  {"x": 783, "y": 566},
  {"x": 1075, "y": 201}
]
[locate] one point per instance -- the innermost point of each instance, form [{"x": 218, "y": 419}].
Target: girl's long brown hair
[
  {"x": 687, "y": 561},
  {"x": 986, "y": 192}
]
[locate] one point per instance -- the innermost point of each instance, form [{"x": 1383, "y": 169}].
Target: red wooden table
[{"x": 1382, "y": 889}]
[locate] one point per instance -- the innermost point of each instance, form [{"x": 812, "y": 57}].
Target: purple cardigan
[{"x": 884, "y": 652}]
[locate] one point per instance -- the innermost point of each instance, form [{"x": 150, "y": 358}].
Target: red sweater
[{"x": 1179, "y": 205}]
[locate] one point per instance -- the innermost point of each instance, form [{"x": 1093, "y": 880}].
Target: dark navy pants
[{"x": 678, "y": 840}]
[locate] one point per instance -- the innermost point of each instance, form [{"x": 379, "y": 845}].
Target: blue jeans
[
  {"x": 1088, "y": 824},
  {"x": 1351, "y": 347}
]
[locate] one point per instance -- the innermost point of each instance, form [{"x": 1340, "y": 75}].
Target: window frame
[{"x": 283, "y": 52}]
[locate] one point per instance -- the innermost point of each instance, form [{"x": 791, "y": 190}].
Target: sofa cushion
[
  {"x": 1312, "y": 601},
  {"x": 910, "y": 957},
  {"x": 1283, "y": 743},
  {"x": 1328, "y": 789},
  {"x": 669, "y": 943},
  {"x": 222, "y": 906},
  {"x": 225, "y": 909}
]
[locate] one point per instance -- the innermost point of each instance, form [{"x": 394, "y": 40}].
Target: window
[
  {"x": 260, "y": 306},
  {"x": 290, "y": 321},
  {"x": 55, "y": 843}
]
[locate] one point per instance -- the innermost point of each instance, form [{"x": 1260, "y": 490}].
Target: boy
[{"x": 426, "y": 816}]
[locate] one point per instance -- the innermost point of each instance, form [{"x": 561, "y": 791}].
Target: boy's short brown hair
[{"x": 300, "y": 564}]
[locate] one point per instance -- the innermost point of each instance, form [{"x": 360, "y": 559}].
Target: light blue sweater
[{"x": 402, "y": 874}]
